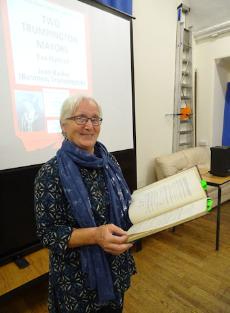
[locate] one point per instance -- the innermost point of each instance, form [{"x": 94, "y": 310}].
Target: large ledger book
[{"x": 167, "y": 203}]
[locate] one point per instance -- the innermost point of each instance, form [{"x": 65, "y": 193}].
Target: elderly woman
[{"x": 81, "y": 206}]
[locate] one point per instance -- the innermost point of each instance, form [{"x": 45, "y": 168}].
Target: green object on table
[
  {"x": 209, "y": 204},
  {"x": 204, "y": 184}
]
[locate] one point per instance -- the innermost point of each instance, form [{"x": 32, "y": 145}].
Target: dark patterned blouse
[{"x": 67, "y": 283}]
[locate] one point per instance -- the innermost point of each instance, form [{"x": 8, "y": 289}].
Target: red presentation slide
[{"x": 55, "y": 65}]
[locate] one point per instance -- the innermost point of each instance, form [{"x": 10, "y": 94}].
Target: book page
[
  {"x": 165, "y": 195},
  {"x": 168, "y": 219}
]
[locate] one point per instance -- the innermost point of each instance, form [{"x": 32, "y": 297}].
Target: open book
[{"x": 166, "y": 203}]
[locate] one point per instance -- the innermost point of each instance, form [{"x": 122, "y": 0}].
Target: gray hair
[{"x": 71, "y": 104}]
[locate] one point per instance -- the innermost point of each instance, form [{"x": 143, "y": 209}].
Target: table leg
[
  {"x": 218, "y": 218},
  {"x": 138, "y": 245}
]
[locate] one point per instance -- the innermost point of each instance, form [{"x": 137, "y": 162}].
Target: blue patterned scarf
[{"x": 93, "y": 259}]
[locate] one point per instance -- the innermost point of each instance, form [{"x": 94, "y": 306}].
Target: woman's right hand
[{"x": 112, "y": 239}]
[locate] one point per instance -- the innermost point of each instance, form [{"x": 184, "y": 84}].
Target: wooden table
[
  {"x": 216, "y": 181},
  {"x": 12, "y": 277}
]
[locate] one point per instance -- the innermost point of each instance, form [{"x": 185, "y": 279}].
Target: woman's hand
[
  {"x": 109, "y": 237},
  {"x": 112, "y": 239}
]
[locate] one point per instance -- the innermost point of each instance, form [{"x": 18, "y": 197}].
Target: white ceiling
[{"x": 207, "y": 13}]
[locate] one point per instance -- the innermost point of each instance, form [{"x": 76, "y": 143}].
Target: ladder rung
[
  {"x": 185, "y": 144},
  {"x": 182, "y": 132},
  {"x": 186, "y": 121},
  {"x": 187, "y": 46},
  {"x": 185, "y": 73},
  {"x": 185, "y": 97},
  {"x": 186, "y": 86},
  {"x": 186, "y": 61}
]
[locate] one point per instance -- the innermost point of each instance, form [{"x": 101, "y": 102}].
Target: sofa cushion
[
  {"x": 199, "y": 156},
  {"x": 171, "y": 164}
]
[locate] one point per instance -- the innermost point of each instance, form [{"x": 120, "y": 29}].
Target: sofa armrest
[{"x": 171, "y": 164}]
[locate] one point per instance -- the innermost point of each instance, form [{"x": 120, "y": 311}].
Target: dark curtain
[
  {"x": 121, "y": 5},
  {"x": 226, "y": 125}
]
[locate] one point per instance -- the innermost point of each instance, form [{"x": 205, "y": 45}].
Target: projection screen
[{"x": 48, "y": 51}]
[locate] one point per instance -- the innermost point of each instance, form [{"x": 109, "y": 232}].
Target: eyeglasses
[{"x": 82, "y": 120}]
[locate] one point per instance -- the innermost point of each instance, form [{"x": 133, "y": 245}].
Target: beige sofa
[{"x": 167, "y": 165}]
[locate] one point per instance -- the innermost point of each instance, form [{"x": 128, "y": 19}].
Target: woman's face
[{"x": 84, "y": 136}]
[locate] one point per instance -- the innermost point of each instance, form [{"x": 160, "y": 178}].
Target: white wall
[
  {"x": 154, "y": 63},
  {"x": 211, "y": 85},
  {"x": 221, "y": 77}
]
